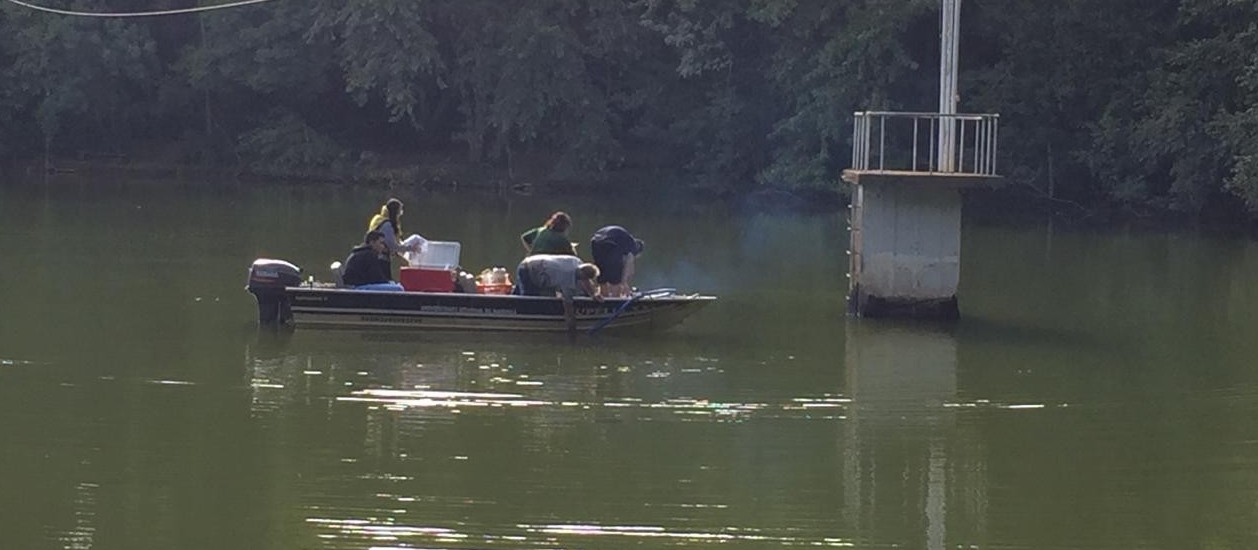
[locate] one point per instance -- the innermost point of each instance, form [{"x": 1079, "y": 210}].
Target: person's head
[
  {"x": 375, "y": 240},
  {"x": 393, "y": 210},
  {"x": 559, "y": 221},
  {"x": 587, "y": 271},
  {"x": 393, "y": 207}
]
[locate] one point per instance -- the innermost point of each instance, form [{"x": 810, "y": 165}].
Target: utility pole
[{"x": 949, "y": 28}]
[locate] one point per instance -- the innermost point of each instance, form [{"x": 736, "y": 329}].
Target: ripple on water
[
  {"x": 383, "y": 529},
  {"x": 811, "y": 408},
  {"x": 18, "y": 363}
]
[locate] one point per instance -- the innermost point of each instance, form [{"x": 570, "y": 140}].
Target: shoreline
[
  {"x": 429, "y": 177},
  {"x": 1006, "y": 205}
]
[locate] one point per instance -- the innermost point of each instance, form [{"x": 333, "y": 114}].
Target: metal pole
[
  {"x": 989, "y": 129},
  {"x": 949, "y": 24},
  {"x": 995, "y": 134},
  {"x": 985, "y": 131},
  {"x": 869, "y": 129},
  {"x": 978, "y": 143},
  {"x": 934, "y": 167},
  {"x": 882, "y": 142},
  {"x": 915, "y": 121},
  {"x": 858, "y": 143},
  {"x": 960, "y": 166}
]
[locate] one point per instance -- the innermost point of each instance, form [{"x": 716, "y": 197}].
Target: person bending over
[
  {"x": 364, "y": 268},
  {"x": 614, "y": 249},
  {"x": 550, "y": 274}
]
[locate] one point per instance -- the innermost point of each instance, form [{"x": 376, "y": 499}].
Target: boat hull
[{"x": 348, "y": 308}]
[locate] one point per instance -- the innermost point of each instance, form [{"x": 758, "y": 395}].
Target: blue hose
[{"x": 624, "y": 306}]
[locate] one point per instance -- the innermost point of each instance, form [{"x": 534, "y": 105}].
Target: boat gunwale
[
  {"x": 672, "y": 297},
  {"x": 657, "y": 311}
]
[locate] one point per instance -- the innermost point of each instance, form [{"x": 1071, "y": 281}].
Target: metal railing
[{"x": 925, "y": 142}]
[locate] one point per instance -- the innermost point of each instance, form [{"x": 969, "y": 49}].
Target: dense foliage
[{"x": 1151, "y": 104}]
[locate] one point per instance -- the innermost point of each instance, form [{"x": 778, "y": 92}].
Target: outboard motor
[{"x": 267, "y": 279}]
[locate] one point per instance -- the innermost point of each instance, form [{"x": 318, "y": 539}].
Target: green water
[{"x": 1101, "y": 390}]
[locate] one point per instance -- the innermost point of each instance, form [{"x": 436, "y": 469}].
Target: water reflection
[
  {"x": 457, "y": 440},
  {"x": 467, "y": 441},
  {"x": 447, "y": 439},
  {"x": 83, "y": 534},
  {"x": 912, "y": 474}
]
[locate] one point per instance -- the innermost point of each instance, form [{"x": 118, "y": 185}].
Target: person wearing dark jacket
[
  {"x": 614, "y": 249},
  {"x": 364, "y": 269}
]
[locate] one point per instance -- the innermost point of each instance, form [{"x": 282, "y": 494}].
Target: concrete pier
[
  {"x": 908, "y": 170},
  {"x": 905, "y": 251}
]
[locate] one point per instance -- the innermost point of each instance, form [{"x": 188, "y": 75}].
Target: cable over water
[{"x": 180, "y": 11}]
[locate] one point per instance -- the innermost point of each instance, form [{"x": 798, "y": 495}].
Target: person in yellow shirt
[{"x": 388, "y": 223}]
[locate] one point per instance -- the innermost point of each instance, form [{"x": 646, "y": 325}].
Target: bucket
[{"x": 494, "y": 280}]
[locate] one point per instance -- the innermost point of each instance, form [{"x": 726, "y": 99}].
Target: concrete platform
[{"x": 932, "y": 179}]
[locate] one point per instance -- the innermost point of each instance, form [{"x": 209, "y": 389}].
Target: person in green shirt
[{"x": 550, "y": 238}]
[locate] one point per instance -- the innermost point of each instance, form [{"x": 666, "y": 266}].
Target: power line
[{"x": 138, "y": 13}]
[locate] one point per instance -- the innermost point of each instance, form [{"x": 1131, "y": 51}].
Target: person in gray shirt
[{"x": 551, "y": 274}]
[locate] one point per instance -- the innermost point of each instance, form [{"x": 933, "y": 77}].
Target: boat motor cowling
[{"x": 267, "y": 280}]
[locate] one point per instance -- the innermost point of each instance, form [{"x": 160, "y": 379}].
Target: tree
[
  {"x": 542, "y": 75},
  {"x": 270, "y": 78},
  {"x": 830, "y": 59},
  {"x": 386, "y": 47},
  {"x": 1059, "y": 74},
  {"x": 1211, "y": 86},
  {"x": 82, "y": 81}
]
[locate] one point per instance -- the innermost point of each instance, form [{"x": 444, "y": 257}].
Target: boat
[{"x": 284, "y": 299}]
